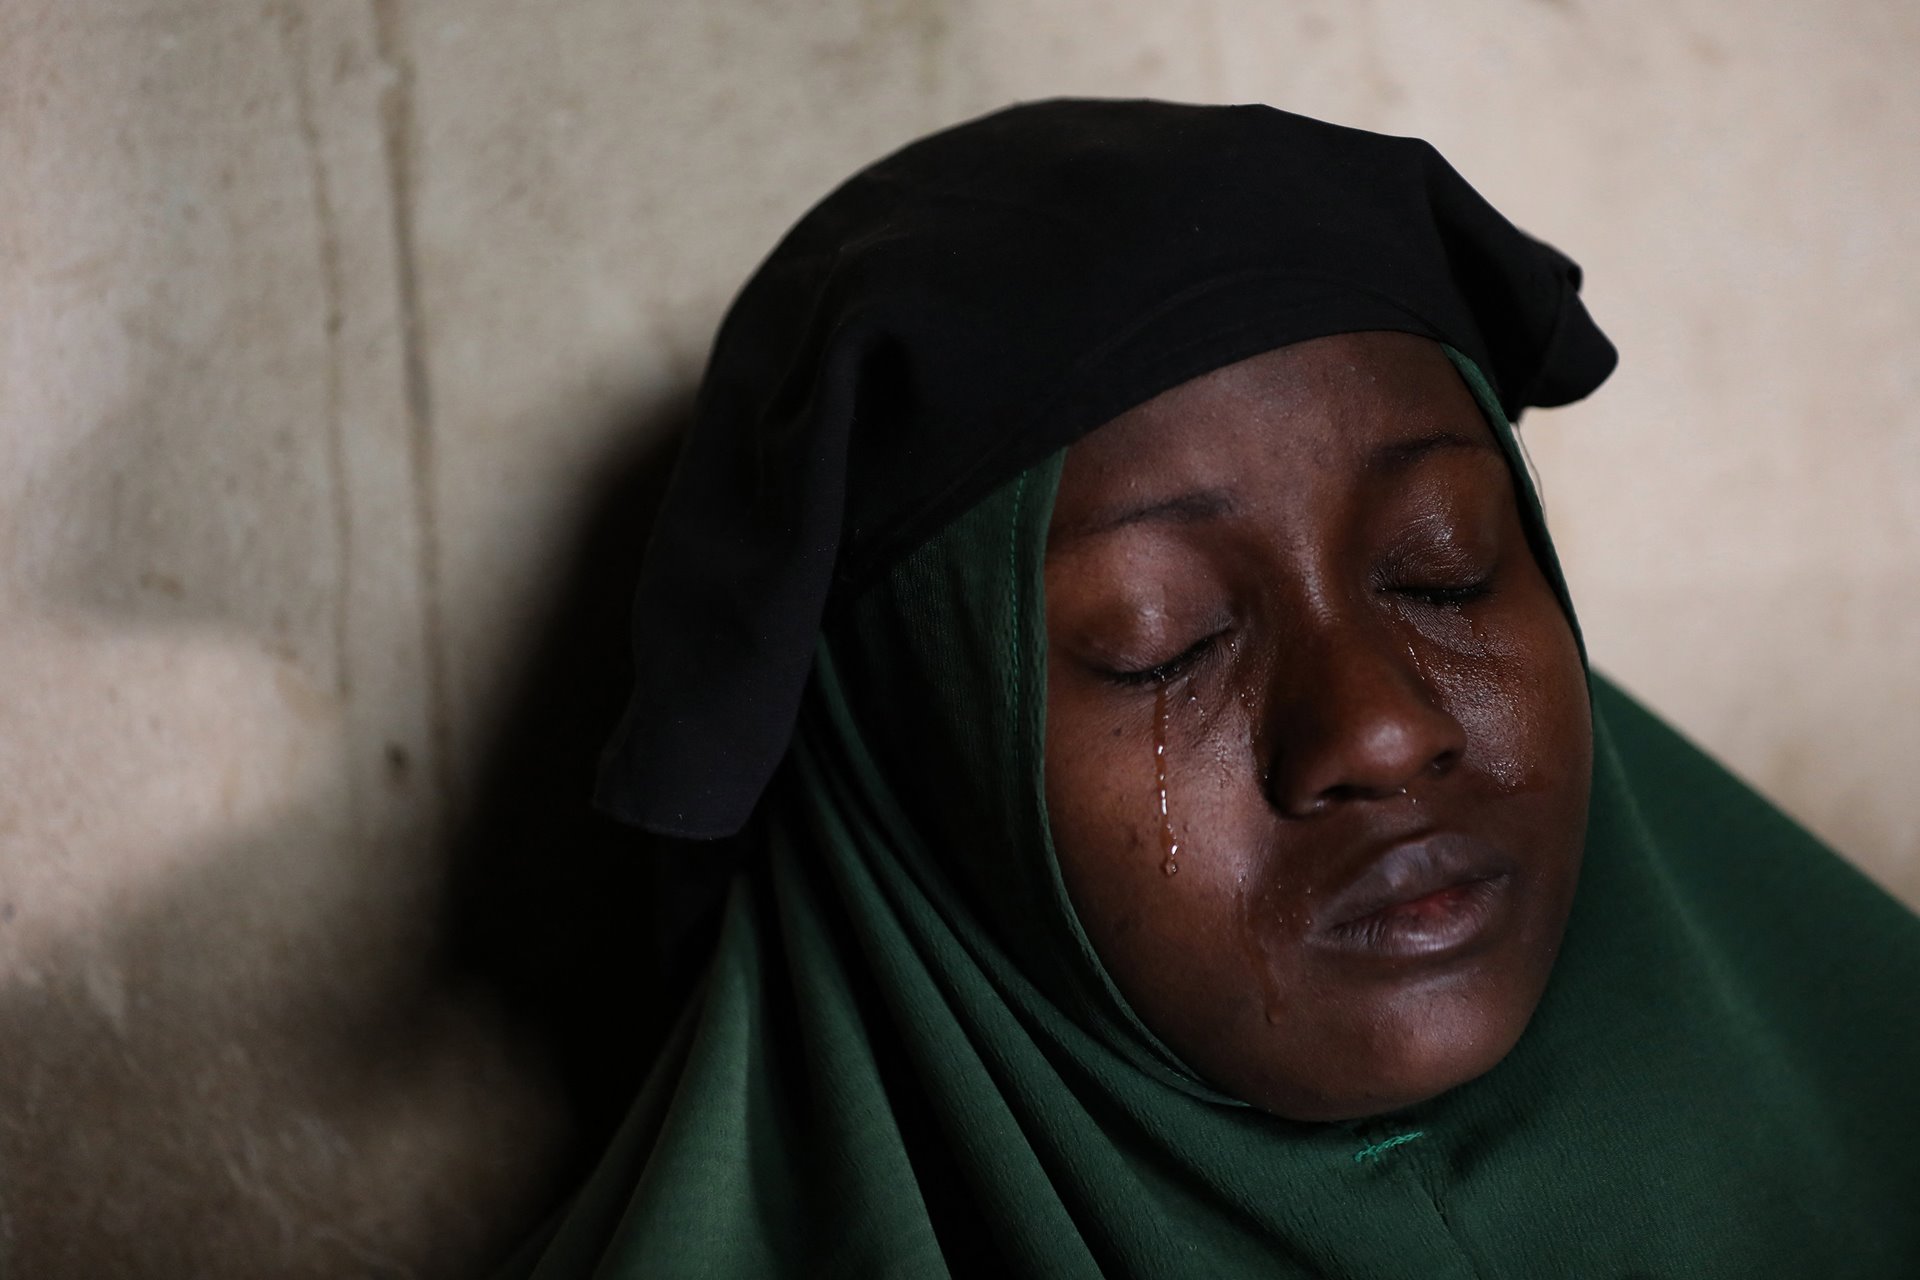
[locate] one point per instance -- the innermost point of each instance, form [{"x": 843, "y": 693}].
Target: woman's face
[{"x": 1318, "y": 741}]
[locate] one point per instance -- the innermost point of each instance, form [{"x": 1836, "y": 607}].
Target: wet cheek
[
  {"x": 1102, "y": 799},
  {"x": 1245, "y": 905},
  {"x": 1157, "y": 816},
  {"x": 1210, "y": 779},
  {"x": 1176, "y": 795},
  {"x": 1511, "y": 688}
]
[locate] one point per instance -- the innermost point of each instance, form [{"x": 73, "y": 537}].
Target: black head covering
[{"x": 984, "y": 297}]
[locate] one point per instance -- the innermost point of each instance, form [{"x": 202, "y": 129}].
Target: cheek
[
  {"x": 1512, "y": 677},
  {"x": 1098, "y": 778},
  {"x": 1159, "y": 932},
  {"x": 1168, "y": 774}
]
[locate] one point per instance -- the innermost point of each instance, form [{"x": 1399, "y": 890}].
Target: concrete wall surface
[{"x": 325, "y": 322}]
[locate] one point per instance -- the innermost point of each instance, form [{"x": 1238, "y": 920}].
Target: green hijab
[{"x": 906, "y": 1059}]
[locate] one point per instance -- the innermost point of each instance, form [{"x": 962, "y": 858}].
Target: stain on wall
[{"x": 337, "y": 331}]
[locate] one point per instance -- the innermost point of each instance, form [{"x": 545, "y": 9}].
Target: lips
[{"x": 1426, "y": 898}]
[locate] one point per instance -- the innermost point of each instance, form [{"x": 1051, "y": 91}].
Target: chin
[
  {"x": 1422, "y": 1080},
  {"x": 1419, "y": 1047}
]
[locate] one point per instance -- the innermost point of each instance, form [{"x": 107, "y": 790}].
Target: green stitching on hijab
[{"x": 1385, "y": 1145}]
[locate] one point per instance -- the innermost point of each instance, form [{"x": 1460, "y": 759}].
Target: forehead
[{"x": 1342, "y": 404}]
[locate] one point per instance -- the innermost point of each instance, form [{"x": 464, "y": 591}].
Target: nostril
[
  {"x": 1317, "y": 777},
  {"x": 1444, "y": 762},
  {"x": 1312, "y": 808}
]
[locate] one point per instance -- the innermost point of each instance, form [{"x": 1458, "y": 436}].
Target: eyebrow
[
  {"x": 1186, "y": 508},
  {"x": 1398, "y": 455},
  {"x": 1215, "y": 504}
]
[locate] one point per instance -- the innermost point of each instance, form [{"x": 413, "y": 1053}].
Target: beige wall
[{"x": 322, "y": 318}]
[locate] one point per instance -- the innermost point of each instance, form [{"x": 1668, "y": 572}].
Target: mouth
[{"x": 1434, "y": 897}]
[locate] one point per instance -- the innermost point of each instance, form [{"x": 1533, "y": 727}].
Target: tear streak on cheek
[
  {"x": 1169, "y": 847},
  {"x": 1269, "y": 933}
]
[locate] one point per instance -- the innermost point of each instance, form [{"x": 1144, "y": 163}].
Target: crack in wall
[
  {"x": 292, "y": 26},
  {"x": 398, "y": 134}
]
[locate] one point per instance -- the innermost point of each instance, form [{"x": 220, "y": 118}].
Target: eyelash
[
  {"x": 1450, "y": 597},
  {"x": 1179, "y": 664},
  {"x": 1447, "y": 597}
]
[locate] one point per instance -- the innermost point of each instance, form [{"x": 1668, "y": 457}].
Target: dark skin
[{"x": 1294, "y": 597}]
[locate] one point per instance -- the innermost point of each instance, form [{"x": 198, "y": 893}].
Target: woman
[{"x": 1182, "y": 837}]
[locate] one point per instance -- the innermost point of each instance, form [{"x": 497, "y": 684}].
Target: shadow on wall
[
  {"x": 169, "y": 1118},
  {"x": 588, "y": 929},
  {"x": 286, "y": 1055}
]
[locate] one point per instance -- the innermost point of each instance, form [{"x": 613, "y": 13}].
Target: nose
[{"x": 1353, "y": 717}]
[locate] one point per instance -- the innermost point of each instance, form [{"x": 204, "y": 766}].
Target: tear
[{"x": 1169, "y": 847}]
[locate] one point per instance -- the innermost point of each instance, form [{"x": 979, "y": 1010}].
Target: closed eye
[
  {"x": 1174, "y": 667},
  {"x": 1449, "y": 596}
]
